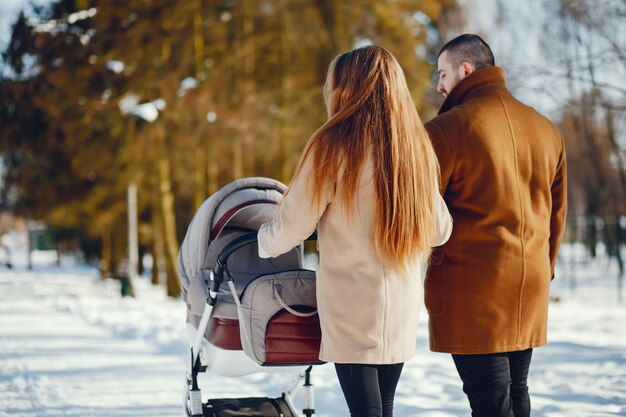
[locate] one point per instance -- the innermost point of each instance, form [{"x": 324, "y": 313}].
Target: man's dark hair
[{"x": 469, "y": 48}]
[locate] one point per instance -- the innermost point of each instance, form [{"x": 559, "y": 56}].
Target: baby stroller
[{"x": 263, "y": 320}]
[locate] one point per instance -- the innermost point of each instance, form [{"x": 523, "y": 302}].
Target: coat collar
[{"x": 481, "y": 77}]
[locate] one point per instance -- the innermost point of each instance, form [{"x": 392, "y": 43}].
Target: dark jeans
[
  {"x": 495, "y": 383},
  {"x": 369, "y": 389}
]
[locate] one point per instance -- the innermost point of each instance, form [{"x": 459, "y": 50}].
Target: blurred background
[{"x": 118, "y": 118}]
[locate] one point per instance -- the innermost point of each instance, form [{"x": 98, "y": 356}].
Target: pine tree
[{"x": 238, "y": 86}]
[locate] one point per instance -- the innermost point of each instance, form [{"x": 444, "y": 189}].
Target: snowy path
[
  {"x": 58, "y": 359},
  {"x": 70, "y": 346}
]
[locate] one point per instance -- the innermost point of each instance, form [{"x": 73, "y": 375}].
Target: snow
[
  {"x": 82, "y": 15},
  {"x": 117, "y": 67},
  {"x": 70, "y": 345},
  {"x": 130, "y": 104}
]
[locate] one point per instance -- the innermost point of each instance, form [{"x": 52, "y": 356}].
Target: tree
[
  {"x": 179, "y": 98},
  {"x": 574, "y": 77}
]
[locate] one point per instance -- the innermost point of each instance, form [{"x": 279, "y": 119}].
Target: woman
[{"x": 368, "y": 182}]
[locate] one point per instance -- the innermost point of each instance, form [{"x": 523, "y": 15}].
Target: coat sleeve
[
  {"x": 444, "y": 223},
  {"x": 296, "y": 218},
  {"x": 558, "y": 190},
  {"x": 443, "y": 149}
]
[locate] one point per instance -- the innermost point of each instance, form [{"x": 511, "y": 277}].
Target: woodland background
[{"x": 178, "y": 98}]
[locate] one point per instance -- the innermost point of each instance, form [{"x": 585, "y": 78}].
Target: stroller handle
[
  {"x": 232, "y": 246},
  {"x": 222, "y": 258}
]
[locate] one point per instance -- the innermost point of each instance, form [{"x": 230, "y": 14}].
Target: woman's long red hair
[{"x": 371, "y": 114}]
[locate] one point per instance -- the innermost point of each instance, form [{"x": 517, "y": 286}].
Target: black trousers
[
  {"x": 369, "y": 389},
  {"x": 496, "y": 383}
]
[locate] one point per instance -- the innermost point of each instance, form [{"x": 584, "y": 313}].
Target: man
[{"x": 503, "y": 176}]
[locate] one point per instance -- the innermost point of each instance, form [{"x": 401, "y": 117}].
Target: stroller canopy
[{"x": 246, "y": 203}]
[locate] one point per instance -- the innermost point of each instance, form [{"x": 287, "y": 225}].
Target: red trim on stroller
[
  {"x": 224, "y": 333},
  {"x": 289, "y": 339},
  {"x": 230, "y": 213}
]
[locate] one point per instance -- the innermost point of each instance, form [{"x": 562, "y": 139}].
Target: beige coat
[
  {"x": 368, "y": 311},
  {"x": 504, "y": 180}
]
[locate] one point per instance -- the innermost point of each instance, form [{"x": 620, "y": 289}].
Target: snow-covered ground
[{"x": 71, "y": 346}]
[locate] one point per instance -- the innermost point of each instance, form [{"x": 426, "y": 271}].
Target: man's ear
[{"x": 466, "y": 68}]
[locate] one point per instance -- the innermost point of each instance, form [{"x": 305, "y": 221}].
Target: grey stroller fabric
[
  {"x": 194, "y": 252},
  {"x": 261, "y": 284},
  {"x": 198, "y": 252},
  {"x": 268, "y": 295}
]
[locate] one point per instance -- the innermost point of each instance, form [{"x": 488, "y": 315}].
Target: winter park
[
  {"x": 71, "y": 346},
  {"x": 326, "y": 208}
]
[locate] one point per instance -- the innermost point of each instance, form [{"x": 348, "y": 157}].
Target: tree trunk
[
  {"x": 120, "y": 263},
  {"x": 237, "y": 157},
  {"x": 617, "y": 150},
  {"x": 169, "y": 226},
  {"x": 249, "y": 86},
  {"x": 157, "y": 238},
  {"x": 285, "y": 169},
  {"x": 105, "y": 268},
  {"x": 200, "y": 157},
  {"x": 166, "y": 204},
  {"x": 212, "y": 166}
]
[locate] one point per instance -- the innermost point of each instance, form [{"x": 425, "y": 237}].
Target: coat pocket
[{"x": 434, "y": 291}]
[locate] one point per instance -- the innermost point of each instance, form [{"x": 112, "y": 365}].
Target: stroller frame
[
  {"x": 218, "y": 359},
  {"x": 192, "y": 396}
]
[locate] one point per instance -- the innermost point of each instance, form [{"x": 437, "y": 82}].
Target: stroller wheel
[
  {"x": 192, "y": 400},
  {"x": 185, "y": 402}
]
